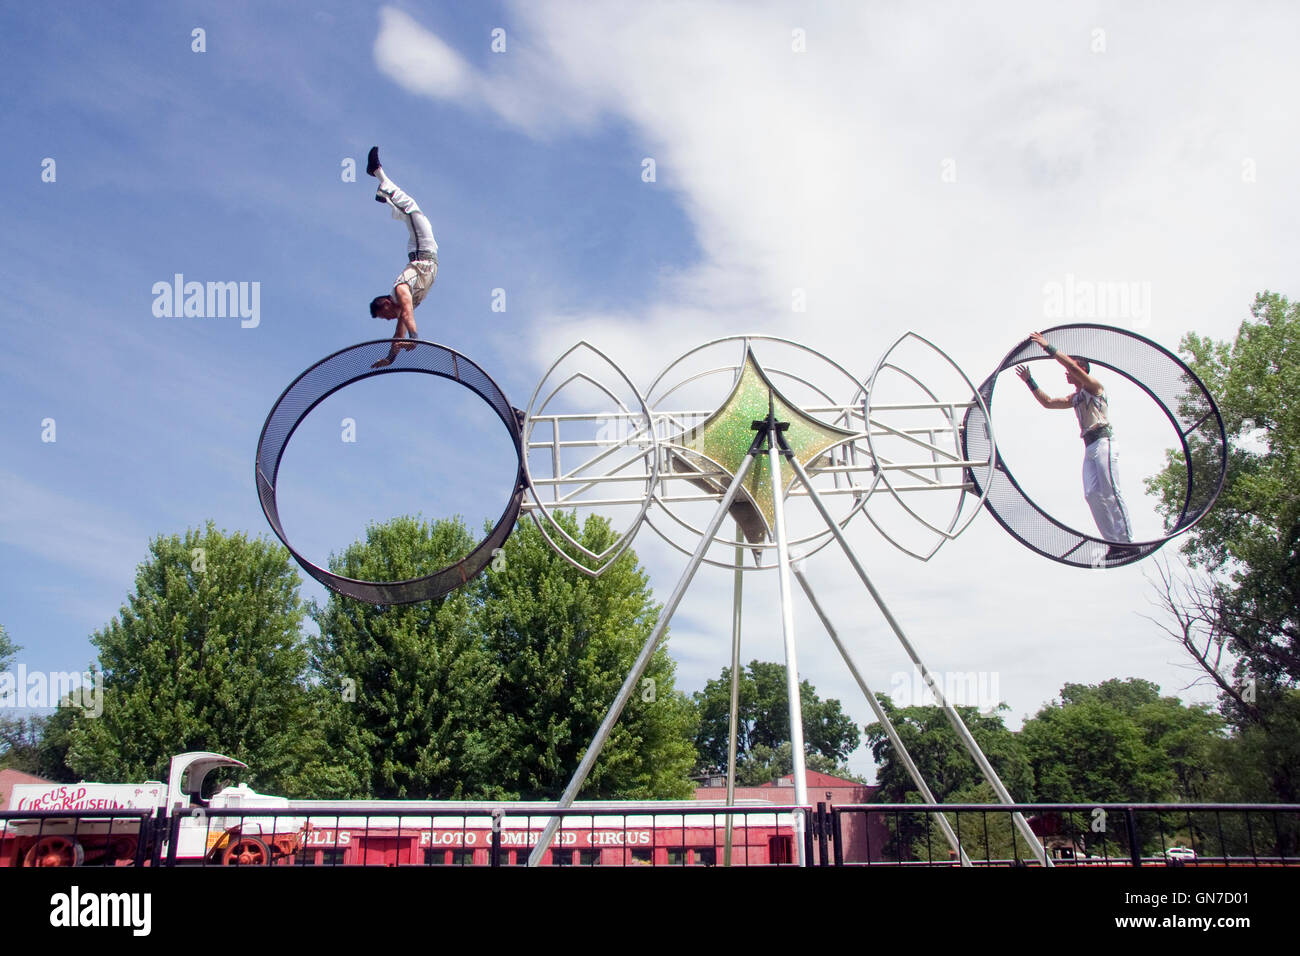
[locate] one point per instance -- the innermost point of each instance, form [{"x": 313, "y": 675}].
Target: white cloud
[
  {"x": 417, "y": 59},
  {"x": 825, "y": 171}
]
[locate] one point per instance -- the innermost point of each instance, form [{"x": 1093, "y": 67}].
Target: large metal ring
[
  {"x": 341, "y": 369},
  {"x": 1168, "y": 381}
]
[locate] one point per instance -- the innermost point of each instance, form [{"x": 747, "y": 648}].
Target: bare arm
[
  {"x": 405, "y": 321},
  {"x": 405, "y": 325},
  {"x": 1043, "y": 398},
  {"x": 1090, "y": 384}
]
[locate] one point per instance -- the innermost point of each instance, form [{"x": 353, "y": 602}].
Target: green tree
[
  {"x": 1250, "y": 542},
  {"x": 944, "y": 763},
  {"x": 36, "y": 744},
  {"x": 950, "y": 773},
  {"x": 406, "y": 692},
  {"x": 763, "y": 726},
  {"x": 763, "y": 764},
  {"x": 562, "y": 643},
  {"x": 205, "y": 655},
  {"x": 13, "y": 732},
  {"x": 39, "y": 745},
  {"x": 1120, "y": 741},
  {"x": 8, "y": 649},
  {"x": 1260, "y": 764},
  {"x": 495, "y": 690}
]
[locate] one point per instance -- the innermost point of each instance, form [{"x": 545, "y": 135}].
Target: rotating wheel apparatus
[
  {"x": 342, "y": 369},
  {"x": 1168, "y": 382}
]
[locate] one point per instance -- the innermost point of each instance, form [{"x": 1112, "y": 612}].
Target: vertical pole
[
  {"x": 734, "y": 714},
  {"x": 912, "y": 770},
  {"x": 963, "y": 732},
  {"x": 799, "y": 770},
  {"x": 639, "y": 667},
  {"x": 1134, "y": 848},
  {"x": 823, "y": 817}
]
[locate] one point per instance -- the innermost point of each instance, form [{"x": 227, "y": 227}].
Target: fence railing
[
  {"x": 629, "y": 834},
  {"x": 1104, "y": 834},
  {"x": 339, "y": 835},
  {"x": 76, "y": 837}
]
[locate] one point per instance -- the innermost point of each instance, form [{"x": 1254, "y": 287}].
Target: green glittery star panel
[{"x": 725, "y": 436}]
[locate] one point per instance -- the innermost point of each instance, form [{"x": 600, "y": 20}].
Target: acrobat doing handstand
[
  {"x": 422, "y": 262},
  {"x": 1100, "y": 487}
]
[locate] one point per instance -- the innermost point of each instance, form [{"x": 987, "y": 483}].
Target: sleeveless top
[{"x": 1091, "y": 410}]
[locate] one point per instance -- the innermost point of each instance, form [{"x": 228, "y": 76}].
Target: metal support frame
[
  {"x": 733, "y": 717},
  {"x": 772, "y": 432},
  {"x": 912, "y": 770},
  {"x": 642, "y": 662},
  {"x": 958, "y": 725},
  {"x": 776, "y": 449}
]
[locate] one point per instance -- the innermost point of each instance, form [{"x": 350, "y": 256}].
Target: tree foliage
[
  {"x": 205, "y": 655},
  {"x": 8, "y": 649},
  {"x": 1251, "y": 539},
  {"x": 944, "y": 763},
  {"x": 763, "y": 726},
  {"x": 406, "y": 691},
  {"x": 1119, "y": 741},
  {"x": 496, "y": 689}
]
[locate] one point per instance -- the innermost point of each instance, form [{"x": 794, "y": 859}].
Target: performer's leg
[
  {"x": 1108, "y": 465},
  {"x": 1091, "y": 493},
  {"x": 1103, "y": 497},
  {"x": 388, "y": 192},
  {"x": 417, "y": 223}
]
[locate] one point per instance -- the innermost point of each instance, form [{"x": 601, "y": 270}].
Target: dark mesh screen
[
  {"x": 1170, "y": 384},
  {"x": 352, "y": 365}
]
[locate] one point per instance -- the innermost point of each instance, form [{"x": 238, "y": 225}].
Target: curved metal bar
[
  {"x": 611, "y": 554},
  {"x": 745, "y": 340},
  {"x": 947, "y": 534},
  {"x": 343, "y": 368},
  {"x": 1025, "y": 519}
]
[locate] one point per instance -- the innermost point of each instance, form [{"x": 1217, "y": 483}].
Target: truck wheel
[
  {"x": 55, "y": 851},
  {"x": 246, "y": 851}
]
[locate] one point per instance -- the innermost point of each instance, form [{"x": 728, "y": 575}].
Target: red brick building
[{"x": 860, "y": 843}]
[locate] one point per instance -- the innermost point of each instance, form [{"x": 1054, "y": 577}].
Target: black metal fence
[
  {"x": 76, "y": 837},
  {"x": 626, "y": 834},
  {"x": 623, "y": 835},
  {"x": 338, "y": 834},
  {"x": 1107, "y": 834}
]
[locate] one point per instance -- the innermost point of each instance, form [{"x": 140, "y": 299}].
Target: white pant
[
  {"x": 418, "y": 276},
  {"x": 1101, "y": 488},
  {"x": 417, "y": 223}
]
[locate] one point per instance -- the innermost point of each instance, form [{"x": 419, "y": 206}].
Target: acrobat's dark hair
[
  {"x": 1083, "y": 362},
  {"x": 374, "y": 304}
]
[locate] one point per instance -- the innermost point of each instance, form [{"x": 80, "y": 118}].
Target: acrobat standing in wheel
[
  {"x": 417, "y": 278},
  {"x": 1100, "y": 485}
]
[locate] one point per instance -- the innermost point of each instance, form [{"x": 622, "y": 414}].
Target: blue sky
[{"x": 931, "y": 167}]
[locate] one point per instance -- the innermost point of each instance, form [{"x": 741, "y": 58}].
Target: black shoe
[
  {"x": 372, "y": 161},
  {"x": 1118, "y": 552}
]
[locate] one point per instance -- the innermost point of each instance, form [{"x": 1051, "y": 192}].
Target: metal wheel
[
  {"x": 55, "y": 851},
  {"x": 246, "y": 851}
]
